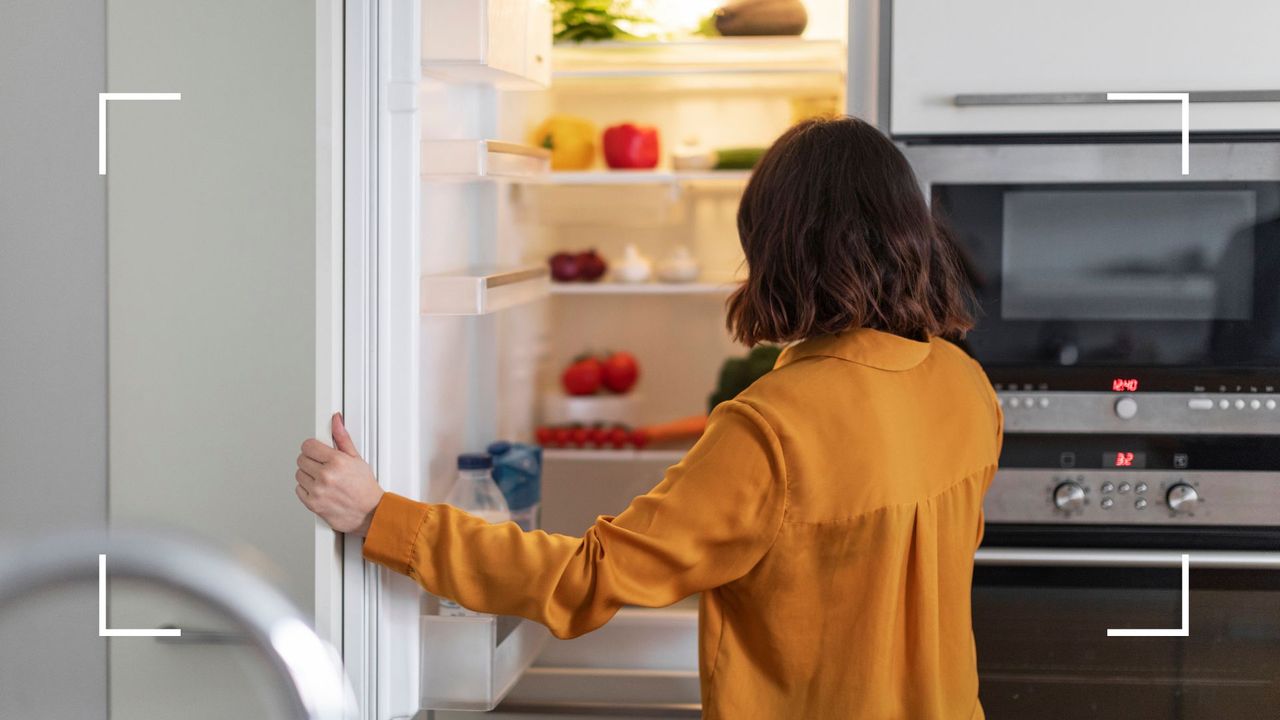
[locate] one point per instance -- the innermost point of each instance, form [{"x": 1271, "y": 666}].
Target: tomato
[
  {"x": 579, "y": 436},
  {"x": 598, "y": 436},
  {"x": 620, "y": 372},
  {"x": 544, "y": 434},
  {"x": 561, "y": 436},
  {"x": 618, "y": 437},
  {"x": 639, "y": 438},
  {"x": 583, "y": 376}
]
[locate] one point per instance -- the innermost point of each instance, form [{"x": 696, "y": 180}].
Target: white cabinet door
[
  {"x": 959, "y": 67},
  {"x": 504, "y": 42}
]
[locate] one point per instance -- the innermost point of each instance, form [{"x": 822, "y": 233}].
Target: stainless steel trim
[
  {"x": 1093, "y": 163},
  {"x": 1100, "y": 98},
  {"x": 1054, "y": 557},
  {"x": 1237, "y": 498},
  {"x": 310, "y": 668},
  {"x": 1170, "y": 413},
  {"x": 867, "y": 75}
]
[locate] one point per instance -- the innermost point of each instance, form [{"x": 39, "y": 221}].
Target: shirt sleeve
[{"x": 709, "y": 522}]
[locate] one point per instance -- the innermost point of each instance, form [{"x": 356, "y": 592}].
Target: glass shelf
[
  {"x": 646, "y": 288},
  {"x": 471, "y": 663},
  {"x": 783, "y": 55},
  {"x": 611, "y": 455},
  {"x": 646, "y": 177}
]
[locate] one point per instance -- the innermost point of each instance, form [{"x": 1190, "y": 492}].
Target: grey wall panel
[{"x": 52, "y": 339}]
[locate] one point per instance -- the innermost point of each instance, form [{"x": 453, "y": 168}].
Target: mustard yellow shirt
[{"x": 829, "y": 517}]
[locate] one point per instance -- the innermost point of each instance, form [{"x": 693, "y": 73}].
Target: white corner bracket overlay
[
  {"x": 1184, "y": 631},
  {"x": 102, "y": 117},
  {"x": 103, "y": 630},
  {"x": 1184, "y": 98}
]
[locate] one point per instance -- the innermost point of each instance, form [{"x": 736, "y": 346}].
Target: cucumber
[{"x": 742, "y": 158}]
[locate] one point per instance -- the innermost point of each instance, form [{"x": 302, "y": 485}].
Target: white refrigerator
[{"x": 441, "y": 330}]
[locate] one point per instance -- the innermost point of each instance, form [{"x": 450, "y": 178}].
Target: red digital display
[
  {"x": 1125, "y": 384},
  {"x": 1124, "y": 459}
]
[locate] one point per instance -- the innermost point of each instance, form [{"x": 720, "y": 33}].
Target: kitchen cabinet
[{"x": 988, "y": 67}]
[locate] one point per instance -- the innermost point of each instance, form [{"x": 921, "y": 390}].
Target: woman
[{"x": 830, "y": 513}]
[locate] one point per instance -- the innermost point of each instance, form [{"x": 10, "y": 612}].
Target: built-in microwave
[{"x": 1090, "y": 261}]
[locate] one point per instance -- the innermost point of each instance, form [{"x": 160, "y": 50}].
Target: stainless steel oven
[{"x": 1130, "y": 321}]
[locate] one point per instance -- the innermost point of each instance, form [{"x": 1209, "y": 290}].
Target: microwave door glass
[
  {"x": 1128, "y": 255},
  {"x": 1153, "y": 275}
]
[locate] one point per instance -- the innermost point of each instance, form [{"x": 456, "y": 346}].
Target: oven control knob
[
  {"x": 1068, "y": 497},
  {"x": 1182, "y": 498},
  {"x": 1126, "y": 408}
]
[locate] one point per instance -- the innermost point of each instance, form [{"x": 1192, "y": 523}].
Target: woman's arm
[{"x": 709, "y": 521}]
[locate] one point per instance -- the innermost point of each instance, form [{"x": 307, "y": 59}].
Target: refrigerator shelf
[
  {"x": 646, "y": 177},
  {"x": 464, "y": 160},
  {"x": 482, "y": 291},
  {"x": 720, "y": 55},
  {"x": 649, "y": 288},
  {"x": 471, "y": 663},
  {"x": 611, "y": 455}
]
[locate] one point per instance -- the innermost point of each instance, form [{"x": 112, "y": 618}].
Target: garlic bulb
[
  {"x": 633, "y": 267},
  {"x": 679, "y": 267}
]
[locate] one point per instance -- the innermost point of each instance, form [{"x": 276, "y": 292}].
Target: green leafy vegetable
[
  {"x": 737, "y": 374},
  {"x": 593, "y": 20}
]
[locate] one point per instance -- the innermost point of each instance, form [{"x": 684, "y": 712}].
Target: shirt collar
[{"x": 864, "y": 346}]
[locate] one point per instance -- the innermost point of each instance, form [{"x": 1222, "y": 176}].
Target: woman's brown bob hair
[{"x": 837, "y": 236}]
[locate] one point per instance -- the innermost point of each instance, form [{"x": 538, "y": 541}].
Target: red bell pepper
[{"x": 629, "y": 146}]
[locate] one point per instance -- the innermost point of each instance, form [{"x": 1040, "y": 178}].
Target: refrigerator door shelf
[
  {"x": 482, "y": 291},
  {"x": 469, "y": 160},
  {"x": 505, "y": 43},
  {"x": 471, "y": 663}
]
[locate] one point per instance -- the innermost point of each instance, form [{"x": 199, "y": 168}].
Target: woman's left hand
[{"x": 337, "y": 484}]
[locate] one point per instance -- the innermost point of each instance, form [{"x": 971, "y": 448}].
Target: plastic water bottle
[
  {"x": 475, "y": 492},
  {"x": 517, "y": 470}
]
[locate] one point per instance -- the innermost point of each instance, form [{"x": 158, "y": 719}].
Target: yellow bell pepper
[{"x": 571, "y": 140}]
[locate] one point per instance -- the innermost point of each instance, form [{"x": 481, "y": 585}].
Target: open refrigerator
[{"x": 453, "y": 335}]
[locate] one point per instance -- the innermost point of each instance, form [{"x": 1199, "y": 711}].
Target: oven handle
[
  {"x": 1071, "y": 557},
  {"x": 1100, "y": 98}
]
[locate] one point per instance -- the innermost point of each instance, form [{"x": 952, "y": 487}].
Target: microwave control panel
[{"x": 1227, "y": 413}]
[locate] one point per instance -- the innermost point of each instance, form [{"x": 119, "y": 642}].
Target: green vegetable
[
  {"x": 738, "y": 158},
  {"x": 593, "y": 20},
  {"x": 737, "y": 374},
  {"x": 707, "y": 27}
]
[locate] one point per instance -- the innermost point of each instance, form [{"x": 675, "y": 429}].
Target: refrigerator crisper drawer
[{"x": 470, "y": 663}]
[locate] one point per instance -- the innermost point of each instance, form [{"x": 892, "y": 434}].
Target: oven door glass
[
  {"x": 1150, "y": 275},
  {"x": 1044, "y": 653}
]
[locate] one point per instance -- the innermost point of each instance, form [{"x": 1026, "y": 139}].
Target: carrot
[{"x": 686, "y": 428}]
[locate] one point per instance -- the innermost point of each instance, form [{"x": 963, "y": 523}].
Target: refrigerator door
[{"x": 428, "y": 293}]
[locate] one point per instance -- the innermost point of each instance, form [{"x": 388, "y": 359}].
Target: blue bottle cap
[
  {"x": 474, "y": 461},
  {"x": 500, "y": 447}
]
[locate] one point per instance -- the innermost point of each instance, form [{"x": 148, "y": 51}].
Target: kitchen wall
[
  {"x": 212, "y": 314},
  {"x": 53, "y": 428}
]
